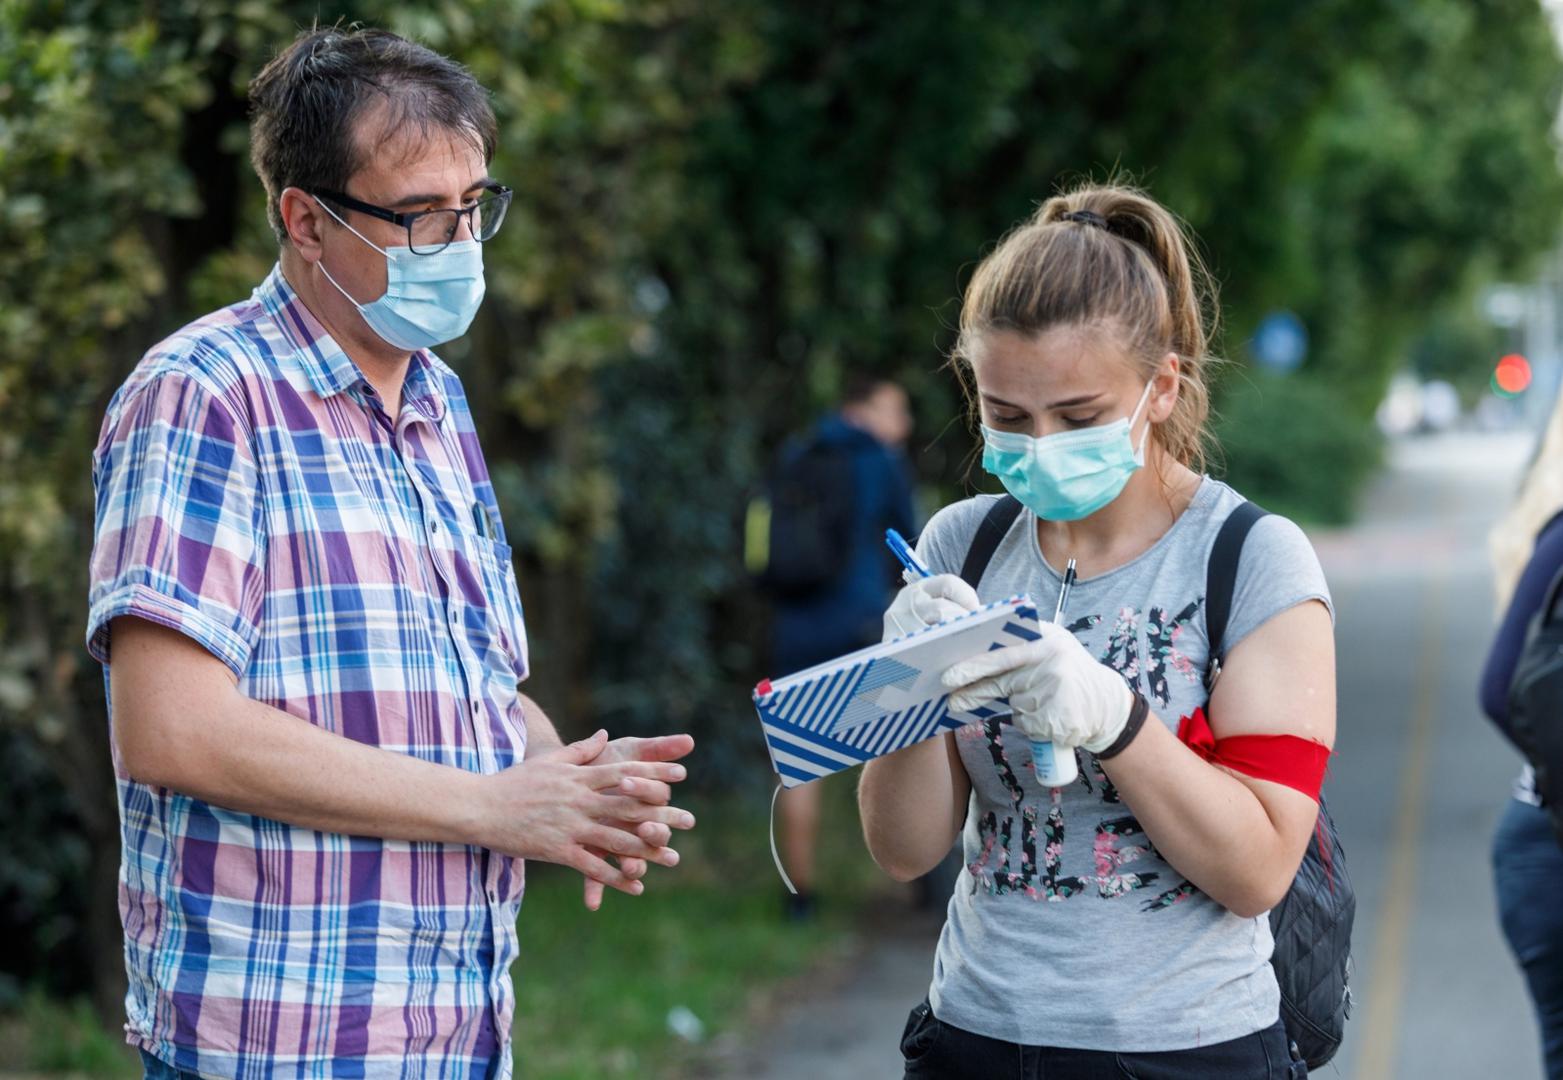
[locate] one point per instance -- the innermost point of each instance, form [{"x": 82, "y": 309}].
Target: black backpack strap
[
  {"x": 1221, "y": 581},
  {"x": 995, "y": 526},
  {"x": 1549, "y": 608}
]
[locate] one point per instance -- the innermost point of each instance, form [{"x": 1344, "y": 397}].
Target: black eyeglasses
[{"x": 431, "y": 231}]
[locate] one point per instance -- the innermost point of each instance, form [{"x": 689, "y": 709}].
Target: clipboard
[{"x": 880, "y": 699}]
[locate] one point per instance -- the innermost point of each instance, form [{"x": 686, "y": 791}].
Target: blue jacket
[{"x": 847, "y": 615}]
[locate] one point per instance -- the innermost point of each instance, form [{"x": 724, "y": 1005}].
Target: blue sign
[{"x": 1280, "y": 342}]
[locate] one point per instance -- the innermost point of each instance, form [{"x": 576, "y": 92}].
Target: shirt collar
[
  {"x": 321, "y": 361},
  {"x": 421, "y": 388}
]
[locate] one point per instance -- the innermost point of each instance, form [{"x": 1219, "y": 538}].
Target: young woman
[
  {"x": 1115, "y": 926},
  {"x": 1527, "y": 547}
]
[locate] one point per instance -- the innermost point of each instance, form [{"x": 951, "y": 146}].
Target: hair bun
[{"x": 1085, "y": 217}]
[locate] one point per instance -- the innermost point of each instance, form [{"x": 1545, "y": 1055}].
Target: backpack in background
[{"x": 813, "y": 501}]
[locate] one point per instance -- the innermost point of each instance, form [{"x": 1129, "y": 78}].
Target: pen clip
[
  {"x": 1063, "y": 590},
  {"x": 485, "y": 521}
]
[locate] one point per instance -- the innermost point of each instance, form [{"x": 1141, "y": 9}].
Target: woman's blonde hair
[
  {"x": 1540, "y": 499},
  {"x": 1108, "y": 256}
]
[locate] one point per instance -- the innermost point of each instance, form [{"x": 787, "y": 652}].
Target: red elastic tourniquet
[{"x": 1296, "y": 762}]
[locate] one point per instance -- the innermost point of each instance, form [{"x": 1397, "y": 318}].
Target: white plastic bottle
[{"x": 1054, "y": 767}]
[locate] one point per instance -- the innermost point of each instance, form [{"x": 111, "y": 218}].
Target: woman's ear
[{"x": 1164, "y": 388}]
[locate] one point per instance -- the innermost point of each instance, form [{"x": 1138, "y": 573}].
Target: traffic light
[{"x": 1511, "y": 378}]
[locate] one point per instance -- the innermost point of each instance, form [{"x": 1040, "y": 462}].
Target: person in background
[
  {"x": 310, "y": 629},
  {"x": 1527, "y": 861},
  {"x": 834, "y": 492}
]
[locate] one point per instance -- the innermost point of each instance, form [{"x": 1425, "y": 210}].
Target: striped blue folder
[{"x": 868, "y": 703}]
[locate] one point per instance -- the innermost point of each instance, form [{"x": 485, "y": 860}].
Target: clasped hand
[
  {"x": 592, "y": 800},
  {"x": 1057, "y": 691}
]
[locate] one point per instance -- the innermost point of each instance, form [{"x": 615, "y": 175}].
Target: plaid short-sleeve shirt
[{"x": 253, "y": 493}]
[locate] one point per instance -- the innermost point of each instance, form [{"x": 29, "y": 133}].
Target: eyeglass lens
[{"x": 433, "y": 230}]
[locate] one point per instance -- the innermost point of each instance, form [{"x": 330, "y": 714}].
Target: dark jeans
[
  {"x": 934, "y": 1049},
  {"x": 158, "y": 1070},
  {"x": 1527, "y": 866}
]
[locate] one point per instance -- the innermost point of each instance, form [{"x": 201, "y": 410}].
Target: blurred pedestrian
[
  {"x": 834, "y": 491},
  {"x": 1527, "y": 861},
  {"x": 1115, "y": 925},
  {"x": 308, "y": 618}
]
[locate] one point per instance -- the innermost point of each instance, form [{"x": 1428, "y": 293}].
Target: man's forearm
[
  {"x": 541, "y": 735},
  {"x": 182, "y": 724},
  {"x": 259, "y": 760}
]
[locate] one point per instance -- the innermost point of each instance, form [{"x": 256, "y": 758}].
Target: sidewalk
[{"x": 851, "y": 1026}]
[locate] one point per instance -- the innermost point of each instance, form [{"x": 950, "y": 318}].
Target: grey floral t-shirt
[{"x": 1067, "y": 927}]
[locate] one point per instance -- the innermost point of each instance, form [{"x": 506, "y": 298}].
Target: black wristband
[{"x": 1131, "y": 727}]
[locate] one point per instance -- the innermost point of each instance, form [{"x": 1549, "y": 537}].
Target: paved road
[
  {"x": 1416, "y": 788},
  {"x": 1420, "y": 777}
]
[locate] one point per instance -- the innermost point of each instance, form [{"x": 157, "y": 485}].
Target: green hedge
[{"x": 1293, "y": 445}]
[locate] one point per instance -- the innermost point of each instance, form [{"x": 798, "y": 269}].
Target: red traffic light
[{"x": 1512, "y": 376}]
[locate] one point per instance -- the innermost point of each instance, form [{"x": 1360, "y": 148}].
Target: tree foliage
[{"x": 721, "y": 209}]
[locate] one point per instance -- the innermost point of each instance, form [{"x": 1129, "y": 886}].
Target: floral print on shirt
[{"x": 1143, "y": 647}]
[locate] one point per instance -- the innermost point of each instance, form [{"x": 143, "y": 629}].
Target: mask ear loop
[
  {"x": 1139, "y": 455},
  {"x": 342, "y": 222},
  {"x": 775, "y": 857},
  {"x": 322, "y": 263}
]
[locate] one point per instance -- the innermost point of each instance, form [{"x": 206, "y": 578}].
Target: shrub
[{"x": 1293, "y": 445}]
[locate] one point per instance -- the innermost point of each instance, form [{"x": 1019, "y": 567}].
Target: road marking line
[{"x": 1386, "y": 987}]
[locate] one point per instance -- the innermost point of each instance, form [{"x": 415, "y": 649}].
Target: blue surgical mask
[
  {"x": 1070, "y": 474},
  {"x": 429, "y": 299}
]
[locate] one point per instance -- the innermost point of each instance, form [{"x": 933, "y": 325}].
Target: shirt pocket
[{"x": 507, "y": 654}]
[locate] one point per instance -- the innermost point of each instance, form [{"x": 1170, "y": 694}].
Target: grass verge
[
  {"x": 595, "y": 990},
  {"x": 44, "y": 1037}
]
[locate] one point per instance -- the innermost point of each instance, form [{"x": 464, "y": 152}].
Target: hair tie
[{"x": 1085, "y": 217}]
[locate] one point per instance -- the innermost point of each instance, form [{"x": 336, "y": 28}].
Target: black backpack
[
  {"x": 813, "y": 502},
  {"x": 1312, "y": 923},
  {"x": 1536, "y": 703}
]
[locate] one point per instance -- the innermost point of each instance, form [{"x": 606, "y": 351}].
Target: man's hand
[
  {"x": 648, "y": 793},
  {"x": 559, "y": 807}
]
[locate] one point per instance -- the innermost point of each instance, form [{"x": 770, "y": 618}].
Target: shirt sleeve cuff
[{"x": 145, "y": 603}]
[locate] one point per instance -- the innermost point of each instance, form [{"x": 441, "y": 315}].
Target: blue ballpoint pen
[{"x": 903, "y": 551}]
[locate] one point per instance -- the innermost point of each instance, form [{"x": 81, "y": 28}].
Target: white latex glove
[
  {"x": 927, "y": 601},
  {"x": 1059, "y": 693}
]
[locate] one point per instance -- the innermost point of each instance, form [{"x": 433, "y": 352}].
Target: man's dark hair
[
  {"x": 861, "y": 387},
  {"x": 305, "y": 105}
]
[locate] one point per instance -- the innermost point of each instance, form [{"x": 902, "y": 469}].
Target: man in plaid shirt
[{"x": 312, "y": 638}]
